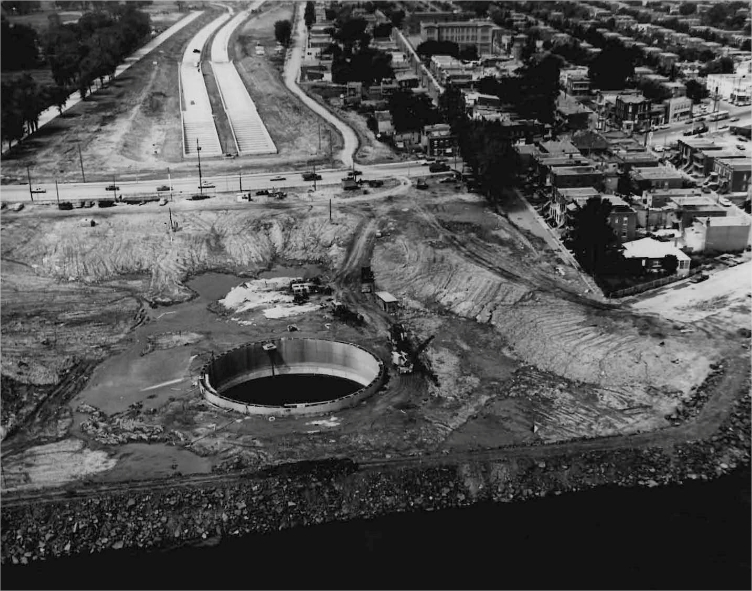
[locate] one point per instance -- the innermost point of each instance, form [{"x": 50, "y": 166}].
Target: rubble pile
[{"x": 126, "y": 428}]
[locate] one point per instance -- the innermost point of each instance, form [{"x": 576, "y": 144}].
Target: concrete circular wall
[{"x": 292, "y": 356}]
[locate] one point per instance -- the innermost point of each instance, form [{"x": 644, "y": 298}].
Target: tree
[
  {"x": 654, "y": 91},
  {"x": 591, "y": 237},
  {"x": 469, "y": 53},
  {"x": 452, "y": 107},
  {"x": 670, "y": 263},
  {"x": 411, "y": 112},
  {"x": 283, "y": 32},
  {"x": 58, "y": 96},
  {"x": 310, "y": 14},
  {"x": 397, "y": 17},
  {"x": 382, "y": 30},
  {"x": 19, "y": 47},
  {"x": 687, "y": 8},
  {"x": 611, "y": 69},
  {"x": 696, "y": 90},
  {"x": 428, "y": 49}
]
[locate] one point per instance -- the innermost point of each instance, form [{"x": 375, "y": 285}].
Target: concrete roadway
[
  {"x": 51, "y": 113},
  {"x": 185, "y": 187}
]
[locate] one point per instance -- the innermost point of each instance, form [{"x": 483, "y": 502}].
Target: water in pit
[
  {"x": 304, "y": 271},
  {"x": 214, "y": 286},
  {"x": 291, "y": 389}
]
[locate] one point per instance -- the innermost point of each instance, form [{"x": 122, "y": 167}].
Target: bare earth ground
[
  {"x": 519, "y": 356},
  {"x": 293, "y": 127},
  {"x": 133, "y": 127},
  {"x": 370, "y": 150}
]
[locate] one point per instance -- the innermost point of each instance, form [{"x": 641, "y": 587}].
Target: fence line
[{"x": 651, "y": 284}]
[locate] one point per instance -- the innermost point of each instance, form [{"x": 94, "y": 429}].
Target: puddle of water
[
  {"x": 304, "y": 271},
  {"x": 213, "y": 286}
]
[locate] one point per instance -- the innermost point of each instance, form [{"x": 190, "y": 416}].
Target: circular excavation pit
[{"x": 291, "y": 376}]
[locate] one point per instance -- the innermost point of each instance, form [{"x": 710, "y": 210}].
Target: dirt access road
[
  {"x": 519, "y": 356},
  {"x": 292, "y": 75}
]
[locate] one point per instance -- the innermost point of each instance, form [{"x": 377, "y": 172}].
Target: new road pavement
[
  {"x": 196, "y": 114},
  {"x": 248, "y": 130},
  {"x": 75, "y": 98}
]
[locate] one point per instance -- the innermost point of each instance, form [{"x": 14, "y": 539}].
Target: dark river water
[
  {"x": 694, "y": 536},
  {"x": 291, "y": 389}
]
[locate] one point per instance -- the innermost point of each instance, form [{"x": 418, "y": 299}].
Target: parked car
[
  {"x": 311, "y": 176},
  {"x": 112, "y": 188},
  {"x": 734, "y": 119},
  {"x": 38, "y": 190},
  {"x": 353, "y": 174},
  {"x": 740, "y": 147},
  {"x": 699, "y": 278},
  {"x": 206, "y": 185},
  {"x": 164, "y": 188},
  {"x": 278, "y": 178},
  {"x": 658, "y": 149},
  {"x": 439, "y": 167},
  {"x": 262, "y": 192},
  {"x": 725, "y": 202}
]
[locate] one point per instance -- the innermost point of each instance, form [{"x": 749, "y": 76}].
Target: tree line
[{"x": 77, "y": 54}]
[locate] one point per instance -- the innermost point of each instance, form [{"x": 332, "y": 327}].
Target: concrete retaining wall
[{"x": 301, "y": 356}]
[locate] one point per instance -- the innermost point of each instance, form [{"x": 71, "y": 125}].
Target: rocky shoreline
[{"x": 339, "y": 490}]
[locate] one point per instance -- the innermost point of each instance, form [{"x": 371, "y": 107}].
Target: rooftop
[
  {"x": 648, "y": 248},
  {"x": 729, "y": 220},
  {"x": 655, "y": 172},
  {"x": 559, "y": 147}
]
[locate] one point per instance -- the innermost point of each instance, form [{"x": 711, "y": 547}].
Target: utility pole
[
  {"x": 114, "y": 187},
  {"x": 330, "y": 210},
  {"x": 31, "y": 191},
  {"x": 57, "y": 192},
  {"x": 240, "y": 176},
  {"x": 314, "y": 175},
  {"x": 319, "y": 124},
  {"x": 81, "y": 161},
  {"x": 200, "y": 182},
  {"x": 169, "y": 182}
]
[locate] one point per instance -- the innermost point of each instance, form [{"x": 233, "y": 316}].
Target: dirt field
[
  {"x": 132, "y": 126},
  {"x": 293, "y": 127},
  {"x": 519, "y": 356}
]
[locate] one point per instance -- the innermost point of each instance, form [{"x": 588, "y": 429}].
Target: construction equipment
[
  {"x": 402, "y": 358},
  {"x": 366, "y": 279}
]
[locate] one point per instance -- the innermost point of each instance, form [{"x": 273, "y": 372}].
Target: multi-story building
[
  {"x": 703, "y": 162},
  {"x": 634, "y": 110},
  {"x": 575, "y": 176},
  {"x": 655, "y": 177},
  {"x": 622, "y": 219},
  {"x": 733, "y": 174},
  {"x": 667, "y": 59},
  {"x": 728, "y": 86},
  {"x": 677, "y": 89},
  {"x": 718, "y": 234},
  {"x": 677, "y": 109},
  {"x": 482, "y": 34},
  {"x": 438, "y": 140}
]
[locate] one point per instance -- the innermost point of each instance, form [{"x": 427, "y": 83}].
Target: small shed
[{"x": 387, "y": 301}]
